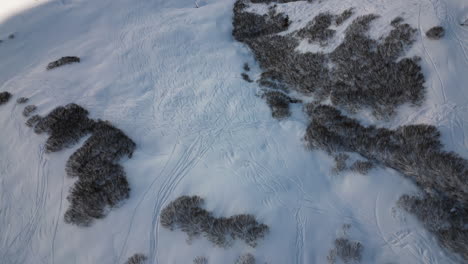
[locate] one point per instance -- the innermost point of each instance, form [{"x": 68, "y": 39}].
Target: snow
[{"x": 168, "y": 74}]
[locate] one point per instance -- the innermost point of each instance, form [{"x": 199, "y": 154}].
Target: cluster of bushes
[
  {"x": 365, "y": 72},
  {"x": 28, "y": 110},
  {"x": 22, "y": 100},
  {"x": 435, "y": 33},
  {"x": 279, "y": 103},
  {"x": 348, "y": 251},
  {"x": 4, "y": 97},
  {"x": 185, "y": 213},
  {"x": 101, "y": 180},
  {"x": 416, "y": 152},
  {"x": 137, "y": 259},
  {"x": 63, "y": 61},
  {"x": 360, "y": 166},
  {"x": 246, "y": 259}
]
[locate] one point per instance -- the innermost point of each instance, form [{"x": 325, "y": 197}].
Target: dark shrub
[
  {"x": 340, "y": 19},
  {"x": 137, "y": 259},
  {"x": 340, "y": 162},
  {"x": 435, "y": 33},
  {"x": 446, "y": 218},
  {"x": 362, "y": 167},
  {"x": 246, "y": 259},
  {"x": 348, "y": 251},
  {"x": 200, "y": 260},
  {"x": 33, "y": 120},
  {"x": 11, "y": 36},
  {"x": 318, "y": 29},
  {"x": 28, "y": 110},
  {"x": 22, "y": 100},
  {"x": 62, "y": 61},
  {"x": 246, "y": 77},
  {"x": 246, "y": 67},
  {"x": 4, "y": 97},
  {"x": 65, "y": 125},
  {"x": 185, "y": 213},
  {"x": 279, "y": 103}
]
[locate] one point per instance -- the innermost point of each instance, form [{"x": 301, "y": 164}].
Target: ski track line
[
  {"x": 24, "y": 237},
  {"x": 300, "y": 236},
  {"x": 429, "y": 56},
  {"x": 57, "y": 220}
]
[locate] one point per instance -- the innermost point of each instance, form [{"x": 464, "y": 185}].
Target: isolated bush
[
  {"x": 200, "y": 260},
  {"x": 28, "y": 110},
  {"x": 340, "y": 162},
  {"x": 33, "y": 120},
  {"x": 246, "y": 259},
  {"x": 246, "y": 77},
  {"x": 65, "y": 125},
  {"x": 22, "y": 100},
  {"x": 246, "y": 67},
  {"x": 185, "y": 213},
  {"x": 137, "y": 259},
  {"x": 348, "y": 251},
  {"x": 318, "y": 30},
  {"x": 341, "y": 18},
  {"x": 4, "y": 97},
  {"x": 435, "y": 33},
  {"x": 62, "y": 61},
  {"x": 446, "y": 218},
  {"x": 362, "y": 167},
  {"x": 279, "y": 103}
]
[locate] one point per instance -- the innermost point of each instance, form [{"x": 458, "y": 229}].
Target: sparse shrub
[
  {"x": 445, "y": 218},
  {"x": 33, "y": 120},
  {"x": 28, "y": 110},
  {"x": 246, "y": 67},
  {"x": 318, "y": 29},
  {"x": 279, "y": 103},
  {"x": 11, "y": 36},
  {"x": 22, "y": 100},
  {"x": 246, "y": 77},
  {"x": 348, "y": 251},
  {"x": 185, "y": 213},
  {"x": 340, "y": 162},
  {"x": 200, "y": 260},
  {"x": 4, "y": 97},
  {"x": 137, "y": 259},
  {"x": 65, "y": 125},
  {"x": 362, "y": 167},
  {"x": 246, "y": 259},
  {"x": 340, "y": 19},
  {"x": 396, "y": 21},
  {"x": 62, "y": 61},
  {"x": 435, "y": 33}
]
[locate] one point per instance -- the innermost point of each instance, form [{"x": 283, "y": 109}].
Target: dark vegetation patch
[
  {"x": 185, "y": 213},
  {"x": 276, "y": 1},
  {"x": 341, "y": 18},
  {"x": 11, "y": 36},
  {"x": 28, "y": 110},
  {"x": 22, "y": 100},
  {"x": 340, "y": 162},
  {"x": 435, "y": 33},
  {"x": 346, "y": 250},
  {"x": 65, "y": 125},
  {"x": 246, "y": 77},
  {"x": 366, "y": 73},
  {"x": 246, "y": 259},
  {"x": 444, "y": 217},
  {"x": 200, "y": 260},
  {"x": 318, "y": 30},
  {"x": 101, "y": 180},
  {"x": 62, "y": 61},
  {"x": 279, "y": 103},
  {"x": 137, "y": 259},
  {"x": 246, "y": 67},
  {"x": 362, "y": 166},
  {"x": 4, "y": 97}
]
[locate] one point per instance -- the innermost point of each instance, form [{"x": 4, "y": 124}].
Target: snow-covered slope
[{"x": 168, "y": 74}]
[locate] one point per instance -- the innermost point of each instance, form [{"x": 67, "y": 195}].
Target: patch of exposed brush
[
  {"x": 22, "y": 100},
  {"x": 63, "y": 61},
  {"x": 435, "y": 33},
  {"x": 246, "y": 259},
  {"x": 28, "y": 110},
  {"x": 137, "y": 259},
  {"x": 4, "y": 97},
  {"x": 341, "y": 18},
  {"x": 102, "y": 183},
  {"x": 444, "y": 217},
  {"x": 346, "y": 250},
  {"x": 366, "y": 73},
  {"x": 279, "y": 103},
  {"x": 186, "y": 213},
  {"x": 416, "y": 152},
  {"x": 200, "y": 260}
]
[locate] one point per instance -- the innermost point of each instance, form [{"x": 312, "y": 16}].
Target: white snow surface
[{"x": 168, "y": 74}]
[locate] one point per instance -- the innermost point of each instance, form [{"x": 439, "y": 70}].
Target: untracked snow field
[{"x": 168, "y": 75}]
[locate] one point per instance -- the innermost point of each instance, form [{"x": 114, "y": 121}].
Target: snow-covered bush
[
  {"x": 33, "y": 120},
  {"x": 246, "y": 259},
  {"x": 28, "y": 110},
  {"x": 62, "y": 61},
  {"x": 185, "y": 213},
  {"x": 200, "y": 260},
  {"x": 348, "y": 251},
  {"x": 4, "y": 97},
  {"x": 318, "y": 29},
  {"x": 137, "y": 259},
  {"x": 340, "y": 162},
  {"x": 246, "y": 77},
  {"x": 435, "y": 33},
  {"x": 341, "y": 18},
  {"x": 362, "y": 166},
  {"x": 22, "y": 100},
  {"x": 278, "y": 103}
]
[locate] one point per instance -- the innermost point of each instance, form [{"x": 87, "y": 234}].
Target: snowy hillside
[{"x": 168, "y": 74}]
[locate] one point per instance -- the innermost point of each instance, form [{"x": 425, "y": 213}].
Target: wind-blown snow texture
[{"x": 168, "y": 75}]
